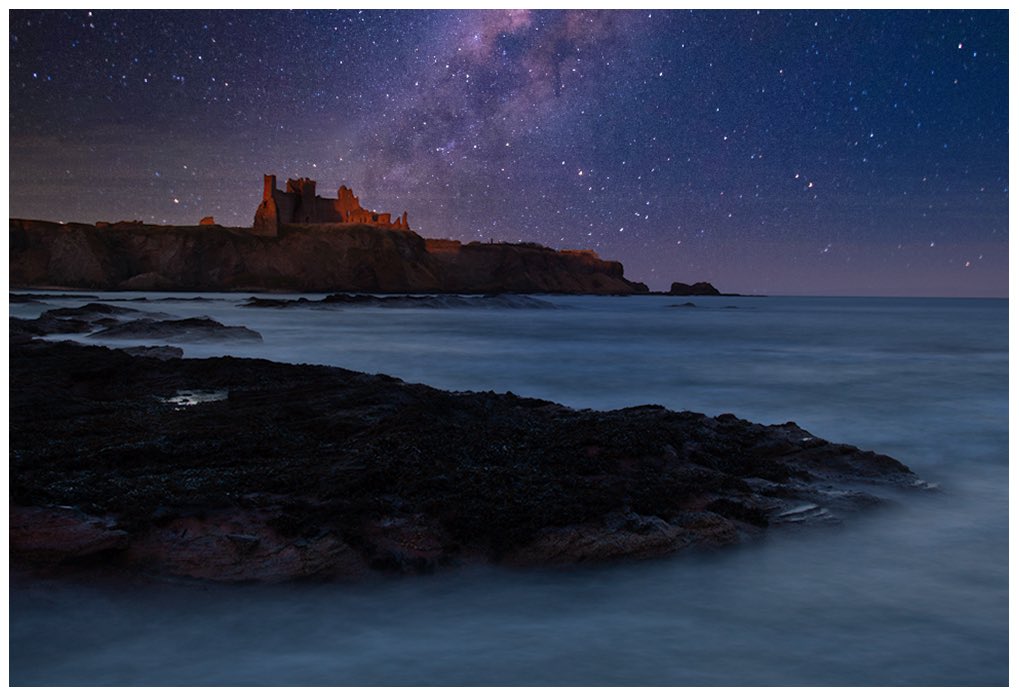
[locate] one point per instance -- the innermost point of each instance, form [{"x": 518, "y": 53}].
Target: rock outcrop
[
  {"x": 191, "y": 329},
  {"x": 238, "y": 469},
  {"x": 303, "y": 258},
  {"x": 699, "y": 288},
  {"x": 115, "y": 322}
]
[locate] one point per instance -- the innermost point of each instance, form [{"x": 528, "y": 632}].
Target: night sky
[{"x": 825, "y": 153}]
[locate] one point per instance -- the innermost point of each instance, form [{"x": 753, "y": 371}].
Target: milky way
[{"x": 861, "y": 153}]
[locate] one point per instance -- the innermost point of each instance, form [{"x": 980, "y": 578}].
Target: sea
[{"x": 914, "y": 592}]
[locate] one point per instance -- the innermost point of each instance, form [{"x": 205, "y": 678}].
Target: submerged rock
[
  {"x": 294, "y": 471},
  {"x": 186, "y": 330},
  {"x": 84, "y": 319},
  {"x": 28, "y": 297},
  {"x": 115, "y": 322},
  {"x": 500, "y": 301}
]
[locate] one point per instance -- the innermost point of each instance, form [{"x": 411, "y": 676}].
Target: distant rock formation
[
  {"x": 700, "y": 288},
  {"x": 436, "y": 302},
  {"x": 299, "y": 204},
  {"x": 328, "y": 257}
]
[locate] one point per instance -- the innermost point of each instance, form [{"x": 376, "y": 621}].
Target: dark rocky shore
[{"x": 239, "y": 469}]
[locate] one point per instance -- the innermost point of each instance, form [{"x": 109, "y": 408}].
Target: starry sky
[{"x": 823, "y": 153}]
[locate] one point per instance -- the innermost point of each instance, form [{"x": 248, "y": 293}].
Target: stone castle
[{"x": 299, "y": 205}]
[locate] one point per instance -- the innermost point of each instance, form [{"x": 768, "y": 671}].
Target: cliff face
[
  {"x": 308, "y": 258},
  {"x": 531, "y": 268}
]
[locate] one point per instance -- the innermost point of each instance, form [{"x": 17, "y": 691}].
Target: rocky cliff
[
  {"x": 308, "y": 258},
  {"x": 526, "y": 267}
]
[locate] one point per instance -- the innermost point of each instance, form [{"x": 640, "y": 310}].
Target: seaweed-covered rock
[{"x": 279, "y": 471}]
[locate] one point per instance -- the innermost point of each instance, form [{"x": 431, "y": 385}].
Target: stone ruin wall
[{"x": 300, "y": 204}]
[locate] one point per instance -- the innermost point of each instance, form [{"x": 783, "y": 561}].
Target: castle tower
[
  {"x": 346, "y": 203},
  {"x": 267, "y": 216},
  {"x": 305, "y": 208},
  {"x": 269, "y": 186}
]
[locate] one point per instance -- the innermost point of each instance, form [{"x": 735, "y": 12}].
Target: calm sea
[{"x": 915, "y": 593}]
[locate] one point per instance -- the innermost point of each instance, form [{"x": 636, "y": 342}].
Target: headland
[{"x": 302, "y": 242}]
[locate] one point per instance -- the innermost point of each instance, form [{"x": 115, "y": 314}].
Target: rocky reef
[
  {"x": 246, "y": 470},
  {"x": 301, "y": 258},
  {"x": 433, "y": 302},
  {"x": 116, "y": 322}
]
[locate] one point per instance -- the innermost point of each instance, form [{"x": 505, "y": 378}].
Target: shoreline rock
[
  {"x": 116, "y": 322},
  {"x": 299, "y": 471}
]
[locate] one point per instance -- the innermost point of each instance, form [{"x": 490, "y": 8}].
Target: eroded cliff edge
[
  {"x": 239, "y": 469},
  {"x": 301, "y": 258}
]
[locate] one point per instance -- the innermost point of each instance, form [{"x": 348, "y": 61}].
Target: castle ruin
[{"x": 299, "y": 205}]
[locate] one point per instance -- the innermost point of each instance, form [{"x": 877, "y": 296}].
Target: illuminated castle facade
[{"x": 300, "y": 205}]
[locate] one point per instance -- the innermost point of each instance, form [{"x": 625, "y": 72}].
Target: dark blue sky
[{"x": 860, "y": 153}]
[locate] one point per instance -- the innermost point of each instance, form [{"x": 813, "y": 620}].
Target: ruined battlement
[{"x": 300, "y": 204}]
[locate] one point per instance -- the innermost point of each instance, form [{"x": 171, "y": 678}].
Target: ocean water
[{"x": 914, "y": 593}]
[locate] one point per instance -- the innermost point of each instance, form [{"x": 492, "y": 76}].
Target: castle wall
[
  {"x": 300, "y": 204},
  {"x": 346, "y": 202},
  {"x": 325, "y": 211},
  {"x": 286, "y": 204}
]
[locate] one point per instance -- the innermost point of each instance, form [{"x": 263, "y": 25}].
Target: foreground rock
[
  {"x": 301, "y": 258},
  {"x": 240, "y": 469}
]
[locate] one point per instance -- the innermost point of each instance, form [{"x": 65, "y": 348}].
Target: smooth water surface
[{"x": 915, "y": 593}]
